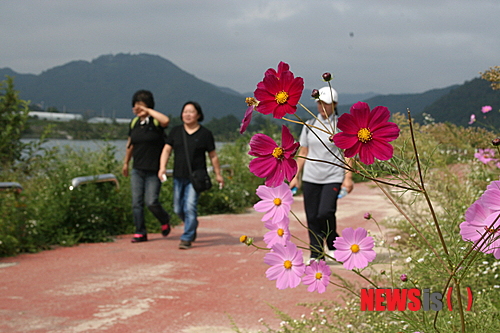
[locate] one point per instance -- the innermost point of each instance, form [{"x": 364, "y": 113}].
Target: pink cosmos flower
[
  {"x": 486, "y": 109},
  {"x": 485, "y": 155},
  {"x": 276, "y": 202},
  {"x": 491, "y": 197},
  {"x": 494, "y": 185},
  {"x": 472, "y": 119},
  {"x": 354, "y": 248},
  {"x": 273, "y": 162},
  {"x": 287, "y": 266},
  {"x": 317, "y": 276},
  {"x": 479, "y": 221},
  {"x": 279, "y": 92},
  {"x": 366, "y": 133},
  {"x": 278, "y": 232}
]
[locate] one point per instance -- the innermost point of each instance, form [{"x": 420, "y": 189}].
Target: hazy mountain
[
  {"x": 105, "y": 87},
  {"x": 399, "y": 103},
  {"x": 457, "y": 106}
]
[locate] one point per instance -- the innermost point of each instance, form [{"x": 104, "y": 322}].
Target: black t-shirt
[
  {"x": 148, "y": 141},
  {"x": 199, "y": 142}
]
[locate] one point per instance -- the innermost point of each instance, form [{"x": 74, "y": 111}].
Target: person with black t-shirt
[
  {"x": 199, "y": 140},
  {"x": 145, "y": 144}
]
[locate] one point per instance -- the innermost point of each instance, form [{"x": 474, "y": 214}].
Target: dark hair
[
  {"x": 144, "y": 96},
  {"x": 198, "y": 109}
]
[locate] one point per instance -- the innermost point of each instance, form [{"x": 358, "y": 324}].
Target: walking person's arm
[
  {"x": 165, "y": 155},
  {"x": 215, "y": 163},
  {"x": 128, "y": 156}
]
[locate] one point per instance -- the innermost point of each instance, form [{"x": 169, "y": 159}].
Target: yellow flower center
[
  {"x": 354, "y": 248},
  {"x": 280, "y": 232},
  {"x": 281, "y": 97},
  {"x": 364, "y": 135},
  {"x": 491, "y": 230},
  {"x": 319, "y": 276},
  {"x": 277, "y": 201},
  {"x": 251, "y": 101},
  {"x": 288, "y": 264},
  {"x": 243, "y": 239},
  {"x": 278, "y": 152}
]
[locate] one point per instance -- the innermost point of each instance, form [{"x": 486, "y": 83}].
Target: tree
[{"x": 13, "y": 116}]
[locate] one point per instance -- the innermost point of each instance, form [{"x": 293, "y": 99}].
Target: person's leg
[
  {"x": 179, "y": 188},
  {"x": 312, "y": 193},
  {"x": 152, "y": 193},
  {"x": 191, "y": 213},
  {"x": 138, "y": 186},
  {"x": 326, "y": 212}
]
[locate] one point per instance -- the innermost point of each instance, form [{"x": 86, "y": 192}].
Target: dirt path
[{"x": 154, "y": 287}]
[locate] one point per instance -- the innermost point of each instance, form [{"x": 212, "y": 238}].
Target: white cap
[{"x": 325, "y": 95}]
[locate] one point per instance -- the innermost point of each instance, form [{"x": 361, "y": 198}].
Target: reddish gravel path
[{"x": 154, "y": 287}]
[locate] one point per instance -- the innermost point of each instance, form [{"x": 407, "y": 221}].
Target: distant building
[
  {"x": 100, "y": 120},
  {"x": 55, "y": 116}
]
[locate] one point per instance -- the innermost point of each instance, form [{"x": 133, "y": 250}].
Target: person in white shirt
[{"x": 321, "y": 182}]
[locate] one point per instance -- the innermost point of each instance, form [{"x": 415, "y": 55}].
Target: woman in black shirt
[
  {"x": 199, "y": 140},
  {"x": 145, "y": 144}
]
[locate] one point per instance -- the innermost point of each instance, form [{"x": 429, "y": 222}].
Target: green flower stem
[
  {"x": 422, "y": 186},
  {"x": 346, "y": 288},
  {"x": 365, "y": 278},
  {"x": 407, "y": 218},
  {"x": 388, "y": 249}
]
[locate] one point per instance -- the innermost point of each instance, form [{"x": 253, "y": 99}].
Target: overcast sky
[{"x": 382, "y": 46}]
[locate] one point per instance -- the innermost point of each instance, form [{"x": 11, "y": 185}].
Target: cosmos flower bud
[
  {"x": 367, "y": 216},
  {"x": 315, "y": 93},
  {"x": 246, "y": 240},
  {"x": 382, "y": 272},
  {"x": 403, "y": 277},
  {"x": 327, "y": 76},
  {"x": 495, "y": 142}
]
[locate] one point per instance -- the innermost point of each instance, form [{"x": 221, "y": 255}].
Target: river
[{"x": 94, "y": 145}]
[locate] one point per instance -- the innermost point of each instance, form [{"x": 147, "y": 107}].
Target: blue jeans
[
  {"x": 185, "y": 202},
  {"x": 146, "y": 191}
]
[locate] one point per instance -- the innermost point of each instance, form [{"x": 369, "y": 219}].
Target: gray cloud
[{"x": 381, "y": 46}]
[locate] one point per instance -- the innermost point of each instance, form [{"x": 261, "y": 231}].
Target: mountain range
[{"x": 105, "y": 85}]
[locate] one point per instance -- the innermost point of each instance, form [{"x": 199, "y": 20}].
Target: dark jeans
[
  {"x": 145, "y": 191},
  {"x": 320, "y": 202}
]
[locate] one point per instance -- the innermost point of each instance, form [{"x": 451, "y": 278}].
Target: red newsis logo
[{"x": 408, "y": 299}]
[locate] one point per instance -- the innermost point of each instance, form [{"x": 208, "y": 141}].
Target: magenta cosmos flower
[
  {"x": 287, "y": 266},
  {"x": 486, "y": 109},
  {"x": 317, "y": 276},
  {"x": 276, "y": 202},
  {"x": 278, "y": 232},
  {"x": 279, "y": 92},
  {"x": 354, "y": 248},
  {"x": 247, "y": 118},
  {"x": 273, "y": 162},
  {"x": 366, "y": 133},
  {"x": 485, "y": 155}
]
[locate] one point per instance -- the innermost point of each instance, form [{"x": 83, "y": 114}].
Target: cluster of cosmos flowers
[
  {"x": 484, "y": 109},
  {"x": 364, "y": 133}
]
